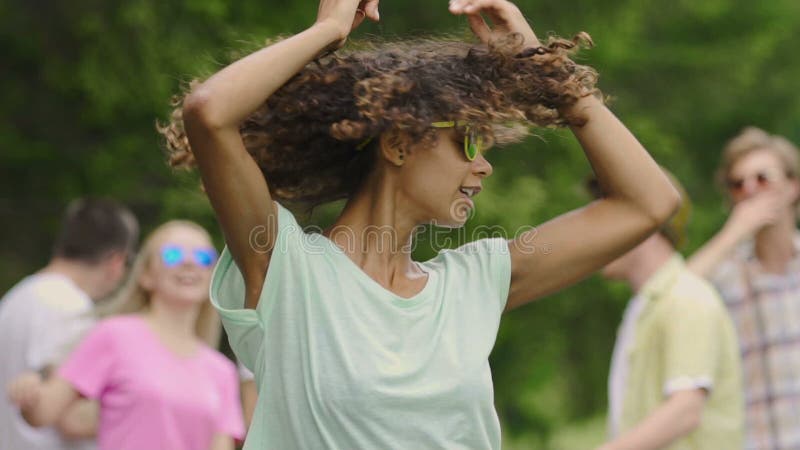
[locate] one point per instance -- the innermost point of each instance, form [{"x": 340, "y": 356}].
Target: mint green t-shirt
[{"x": 342, "y": 363}]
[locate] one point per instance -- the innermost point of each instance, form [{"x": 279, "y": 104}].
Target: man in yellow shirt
[{"x": 675, "y": 379}]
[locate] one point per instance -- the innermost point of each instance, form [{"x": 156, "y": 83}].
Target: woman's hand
[
  {"x": 346, "y": 15},
  {"x": 24, "y": 390},
  {"x": 505, "y": 19}
]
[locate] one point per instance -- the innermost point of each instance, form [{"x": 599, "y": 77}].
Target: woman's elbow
[
  {"x": 659, "y": 204},
  {"x": 666, "y": 205},
  {"x": 200, "y": 110}
]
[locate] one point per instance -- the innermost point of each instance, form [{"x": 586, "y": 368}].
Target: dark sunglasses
[
  {"x": 763, "y": 179},
  {"x": 174, "y": 255}
]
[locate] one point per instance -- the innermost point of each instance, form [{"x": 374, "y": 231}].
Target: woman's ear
[{"x": 394, "y": 146}]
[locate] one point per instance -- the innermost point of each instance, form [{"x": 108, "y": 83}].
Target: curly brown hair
[{"x": 306, "y": 136}]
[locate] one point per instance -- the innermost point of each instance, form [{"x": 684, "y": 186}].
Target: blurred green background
[{"x": 83, "y": 83}]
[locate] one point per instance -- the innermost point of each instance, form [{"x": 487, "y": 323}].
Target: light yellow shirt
[{"x": 684, "y": 339}]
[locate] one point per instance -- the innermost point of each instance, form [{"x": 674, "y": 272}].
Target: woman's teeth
[
  {"x": 469, "y": 192},
  {"x": 188, "y": 279}
]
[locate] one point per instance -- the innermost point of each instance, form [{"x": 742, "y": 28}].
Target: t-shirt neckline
[
  {"x": 397, "y": 300},
  {"x": 156, "y": 339}
]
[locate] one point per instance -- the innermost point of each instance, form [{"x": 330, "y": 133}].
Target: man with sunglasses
[
  {"x": 47, "y": 312},
  {"x": 754, "y": 261}
]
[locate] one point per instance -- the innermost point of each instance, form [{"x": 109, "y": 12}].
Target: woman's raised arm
[
  {"x": 639, "y": 196},
  {"x": 213, "y": 112}
]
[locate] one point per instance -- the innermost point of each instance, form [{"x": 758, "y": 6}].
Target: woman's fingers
[
  {"x": 479, "y": 27},
  {"x": 370, "y": 7},
  {"x": 503, "y": 15},
  {"x": 366, "y": 9},
  {"x": 358, "y": 18},
  {"x": 474, "y": 6}
]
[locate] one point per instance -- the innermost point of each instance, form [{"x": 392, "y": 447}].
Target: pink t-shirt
[{"x": 151, "y": 398}]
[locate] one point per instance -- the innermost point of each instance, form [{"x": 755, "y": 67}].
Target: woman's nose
[{"x": 481, "y": 166}]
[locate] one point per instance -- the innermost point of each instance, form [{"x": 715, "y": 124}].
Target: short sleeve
[
  {"x": 487, "y": 262},
  {"x": 230, "y": 420},
  {"x": 58, "y": 333},
  {"x": 245, "y": 374},
  {"x": 692, "y": 343},
  {"x": 59, "y": 326},
  {"x": 89, "y": 368},
  {"x": 245, "y": 327}
]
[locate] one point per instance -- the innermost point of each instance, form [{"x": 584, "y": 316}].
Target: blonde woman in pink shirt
[{"x": 151, "y": 366}]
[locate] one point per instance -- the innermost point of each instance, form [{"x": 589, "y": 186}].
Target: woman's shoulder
[
  {"x": 485, "y": 248},
  {"x": 116, "y": 332}
]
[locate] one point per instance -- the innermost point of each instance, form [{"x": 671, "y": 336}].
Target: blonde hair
[
  {"x": 133, "y": 298},
  {"x": 751, "y": 139}
]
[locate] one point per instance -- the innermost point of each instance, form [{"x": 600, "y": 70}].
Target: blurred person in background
[
  {"x": 355, "y": 345},
  {"x": 47, "y": 312},
  {"x": 754, "y": 261},
  {"x": 151, "y": 363},
  {"x": 675, "y": 378}
]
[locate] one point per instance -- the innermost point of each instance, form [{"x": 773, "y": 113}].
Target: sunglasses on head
[
  {"x": 473, "y": 142},
  {"x": 762, "y": 179},
  {"x": 174, "y": 255}
]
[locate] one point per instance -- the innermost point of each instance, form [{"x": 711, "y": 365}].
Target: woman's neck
[
  {"x": 376, "y": 231},
  {"x": 172, "y": 319}
]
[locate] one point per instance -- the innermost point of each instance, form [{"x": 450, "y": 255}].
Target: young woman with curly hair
[{"x": 355, "y": 345}]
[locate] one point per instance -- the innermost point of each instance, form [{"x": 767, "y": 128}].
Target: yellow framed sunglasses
[{"x": 473, "y": 142}]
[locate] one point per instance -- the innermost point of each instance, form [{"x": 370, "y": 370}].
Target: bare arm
[
  {"x": 639, "y": 198},
  {"x": 212, "y": 113},
  {"x": 222, "y": 442},
  {"x": 678, "y": 416},
  {"x": 703, "y": 261},
  {"x": 81, "y": 420},
  {"x": 41, "y": 403},
  {"x": 249, "y": 400}
]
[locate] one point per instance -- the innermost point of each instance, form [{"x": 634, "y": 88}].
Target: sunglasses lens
[
  {"x": 472, "y": 145},
  {"x": 171, "y": 256},
  {"x": 205, "y": 257}
]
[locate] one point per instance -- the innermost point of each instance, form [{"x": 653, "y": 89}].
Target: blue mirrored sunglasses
[{"x": 173, "y": 255}]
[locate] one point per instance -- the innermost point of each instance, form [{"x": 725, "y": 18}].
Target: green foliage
[{"x": 84, "y": 81}]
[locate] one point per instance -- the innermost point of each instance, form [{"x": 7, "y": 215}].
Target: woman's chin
[
  {"x": 453, "y": 224},
  {"x": 187, "y": 297}
]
